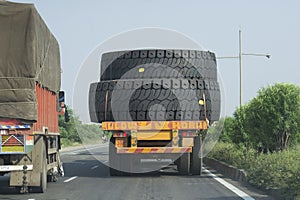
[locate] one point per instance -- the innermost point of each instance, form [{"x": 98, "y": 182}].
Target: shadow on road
[
  {"x": 91, "y": 168},
  {"x": 4, "y": 186},
  {"x": 83, "y": 168}
]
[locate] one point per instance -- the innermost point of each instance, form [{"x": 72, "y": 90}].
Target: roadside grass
[
  {"x": 65, "y": 142},
  {"x": 82, "y": 134},
  {"x": 272, "y": 171}
]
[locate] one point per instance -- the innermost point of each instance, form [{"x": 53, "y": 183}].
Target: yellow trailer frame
[
  {"x": 155, "y": 125},
  {"x": 154, "y": 130}
]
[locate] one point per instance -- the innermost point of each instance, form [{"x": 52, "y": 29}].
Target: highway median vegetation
[
  {"x": 270, "y": 171},
  {"x": 263, "y": 138}
]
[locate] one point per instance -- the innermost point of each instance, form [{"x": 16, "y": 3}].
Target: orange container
[{"x": 47, "y": 110}]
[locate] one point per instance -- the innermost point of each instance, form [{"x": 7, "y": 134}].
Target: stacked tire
[{"x": 156, "y": 85}]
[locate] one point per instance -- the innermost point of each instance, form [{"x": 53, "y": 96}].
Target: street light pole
[
  {"x": 240, "y": 55},
  {"x": 240, "y": 62}
]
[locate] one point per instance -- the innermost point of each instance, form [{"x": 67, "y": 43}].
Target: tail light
[
  {"x": 120, "y": 134},
  {"x": 188, "y": 134}
]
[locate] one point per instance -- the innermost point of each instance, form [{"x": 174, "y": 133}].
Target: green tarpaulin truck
[{"x": 30, "y": 100}]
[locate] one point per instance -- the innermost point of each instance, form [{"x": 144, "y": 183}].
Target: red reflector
[{"x": 120, "y": 134}]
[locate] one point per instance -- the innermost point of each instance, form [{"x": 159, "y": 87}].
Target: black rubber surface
[
  {"x": 156, "y": 84},
  {"x": 183, "y": 165},
  {"x": 157, "y": 63},
  {"x": 196, "y": 157},
  {"x": 155, "y": 99}
]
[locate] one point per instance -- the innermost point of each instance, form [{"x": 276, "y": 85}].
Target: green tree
[
  {"x": 227, "y": 134},
  {"x": 74, "y": 131},
  {"x": 240, "y": 135},
  {"x": 68, "y": 129},
  {"x": 272, "y": 118}
]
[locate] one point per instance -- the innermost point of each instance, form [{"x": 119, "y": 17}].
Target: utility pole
[
  {"x": 240, "y": 56},
  {"x": 240, "y": 62}
]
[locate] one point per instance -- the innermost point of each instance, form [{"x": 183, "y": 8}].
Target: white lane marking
[
  {"x": 105, "y": 161},
  {"x": 95, "y": 167},
  {"x": 31, "y": 199},
  {"x": 234, "y": 189},
  {"x": 70, "y": 179}
]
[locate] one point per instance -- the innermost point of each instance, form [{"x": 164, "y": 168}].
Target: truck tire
[
  {"x": 175, "y": 100},
  {"x": 114, "y": 160},
  {"x": 196, "y": 157},
  {"x": 158, "y": 63},
  {"x": 183, "y": 164},
  {"x": 43, "y": 177},
  {"x": 43, "y": 186}
]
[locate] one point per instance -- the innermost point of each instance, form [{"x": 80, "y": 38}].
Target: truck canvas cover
[{"x": 29, "y": 53}]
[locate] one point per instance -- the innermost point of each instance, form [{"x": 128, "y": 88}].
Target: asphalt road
[{"x": 86, "y": 178}]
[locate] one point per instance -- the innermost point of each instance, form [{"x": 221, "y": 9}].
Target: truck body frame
[
  {"x": 26, "y": 148},
  {"x": 175, "y": 140},
  {"x": 30, "y": 80},
  {"x": 156, "y": 103}
]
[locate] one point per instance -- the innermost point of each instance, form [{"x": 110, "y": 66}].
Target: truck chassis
[{"x": 179, "y": 141}]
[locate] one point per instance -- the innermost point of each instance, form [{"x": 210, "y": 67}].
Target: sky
[{"x": 268, "y": 27}]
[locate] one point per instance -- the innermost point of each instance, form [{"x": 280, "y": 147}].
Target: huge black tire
[
  {"x": 183, "y": 164},
  {"x": 156, "y": 100},
  {"x": 196, "y": 157},
  {"x": 158, "y": 63},
  {"x": 156, "y": 85}
]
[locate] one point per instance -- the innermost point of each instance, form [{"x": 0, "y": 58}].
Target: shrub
[
  {"x": 233, "y": 154},
  {"x": 277, "y": 171}
]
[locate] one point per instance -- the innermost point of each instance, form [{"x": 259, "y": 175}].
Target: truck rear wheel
[
  {"x": 196, "y": 157},
  {"x": 43, "y": 186},
  {"x": 43, "y": 176},
  {"x": 183, "y": 164},
  {"x": 114, "y": 160}
]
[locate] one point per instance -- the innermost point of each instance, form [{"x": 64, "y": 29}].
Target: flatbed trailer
[
  {"x": 156, "y": 103},
  {"x": 179, "y": 141}
]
